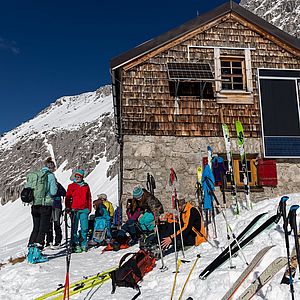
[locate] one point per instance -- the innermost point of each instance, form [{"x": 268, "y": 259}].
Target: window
[{"x": 233, "y": 74}]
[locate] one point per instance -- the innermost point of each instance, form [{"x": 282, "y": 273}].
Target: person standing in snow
[
  {"x": 55, "y": 219},
  {"x": 41, "y": 210},
  {"x": 79, "y": 202}
]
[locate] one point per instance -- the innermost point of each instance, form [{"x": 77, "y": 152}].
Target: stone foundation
[{"x": 157, "y": 154}]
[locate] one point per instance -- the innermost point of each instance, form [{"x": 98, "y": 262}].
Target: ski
[
  {"x": 225, "y": 255},
  {"x": 255, "y": 261},
  {"x": 241, "y": 145},
  {"x": 76, "y": 285},
  {"x": 264, "y": 278},
  {"x": 235, "y": 204}
]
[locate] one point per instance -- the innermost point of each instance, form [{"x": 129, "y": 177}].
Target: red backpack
[{"x": 131, "y": 271}]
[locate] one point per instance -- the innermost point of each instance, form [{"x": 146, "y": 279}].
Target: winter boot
[
  {"x": 30, "y": 254},
  {"x": 78, "y": 249},
  {"x": 37, "y": 256}
]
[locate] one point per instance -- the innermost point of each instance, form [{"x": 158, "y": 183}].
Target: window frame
[{"x": 231, "y": 75}]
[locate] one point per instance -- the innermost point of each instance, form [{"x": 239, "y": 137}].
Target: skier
[
  {"x": 133, "y": 213},
  {"x": 192, "y": 227},
  {"x": 79, "y": 203},
  {"x": 41, "y": 209},
  {"x": 107, "y": 204},
  {"x": 146, "y": 198},
  {"x": 102, "y": 224},
  {"x": 55, "y": 219}
]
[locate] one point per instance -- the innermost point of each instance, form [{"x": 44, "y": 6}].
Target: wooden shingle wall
[{"x": 148, "y": 108}]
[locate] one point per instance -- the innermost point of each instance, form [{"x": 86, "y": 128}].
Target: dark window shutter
[
  {"x": 204, "y": 161},
  {"x": 267, "y": 173}
]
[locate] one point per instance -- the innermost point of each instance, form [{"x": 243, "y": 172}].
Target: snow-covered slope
[
  {"x": 25, "y": 281},
  {"x": 74, "y": 130},
  {"x": 66, "y": 113}
]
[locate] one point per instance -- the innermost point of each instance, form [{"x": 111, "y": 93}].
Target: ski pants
[
  {"x": 55, "y": 222},
  {"x": 82, "y": 217},
  {"x": 41, "y": 215}
]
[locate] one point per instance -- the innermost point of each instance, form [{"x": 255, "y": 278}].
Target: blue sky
[{"x": 53, "y": 48}]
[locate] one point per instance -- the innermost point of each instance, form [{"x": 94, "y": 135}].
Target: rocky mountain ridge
[
  {"x": 78, "y": 131},
  {"x": 285, "y": 14}
]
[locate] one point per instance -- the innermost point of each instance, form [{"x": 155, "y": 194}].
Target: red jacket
[{"x": 80, "y": 195}]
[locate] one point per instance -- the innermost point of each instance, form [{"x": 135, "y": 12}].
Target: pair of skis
[
  {"x": 79, "y": 286},
  {"x": 244, "y": 238},
  {"x": 241, "y": 145}
]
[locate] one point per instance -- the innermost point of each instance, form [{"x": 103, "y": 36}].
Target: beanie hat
[
  {"x": 79, "y": 172},
  {"x": 49, "y": 163},
  {"x": 181, "y": 201},
  {"x": 102, "y": 196},
  {"x": 137, "y": 192}
]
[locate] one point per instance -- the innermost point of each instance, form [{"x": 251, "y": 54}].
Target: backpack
[
  {"x": 27, "y": 195},
  {"x": 130, "y": 272},
  {"x": 38, "y": 183}
]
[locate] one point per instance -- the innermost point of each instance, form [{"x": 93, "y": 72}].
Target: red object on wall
[
  {"x": 266, "y": 172},
  {"x": 204, "y": 161}
]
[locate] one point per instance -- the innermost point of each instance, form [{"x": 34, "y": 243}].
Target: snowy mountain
[
  {"x": 75, "y": 131},
  {"x": 284, "y": 14}
]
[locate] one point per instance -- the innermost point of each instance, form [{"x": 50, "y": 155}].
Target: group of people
[{"x": 145, "y": 217}]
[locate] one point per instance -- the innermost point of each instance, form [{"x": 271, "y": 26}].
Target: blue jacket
[
  {"x": 147, "y": 221},
  {"x": 207, "y": 175}
]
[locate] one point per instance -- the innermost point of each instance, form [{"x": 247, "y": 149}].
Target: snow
[
  {"x": 67, "y": 113},
  {"x": 25, "y": 281}
]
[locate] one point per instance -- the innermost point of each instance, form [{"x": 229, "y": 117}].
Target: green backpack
[{"x": 38, "y": 181}]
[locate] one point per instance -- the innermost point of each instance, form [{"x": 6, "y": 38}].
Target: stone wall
[{"x": 157, "y": 155}]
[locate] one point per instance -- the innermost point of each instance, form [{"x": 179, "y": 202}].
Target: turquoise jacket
[
  {"x": 147, "y": 221},
  {"x": 51, "y": 188}
]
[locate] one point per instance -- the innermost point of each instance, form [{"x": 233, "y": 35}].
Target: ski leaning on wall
[
  {"x": 241, "y": 145},
  {"x": 235, "y": 204}
]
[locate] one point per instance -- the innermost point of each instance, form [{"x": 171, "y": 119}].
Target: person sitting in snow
[
  {"x": 41, "y": 210},
  {"x": 143, "y": 225},
  {"x": 133, "y": 213},
  {"x": 102, "y": 224},
  {"x": 192, "y": 228},
  {"x": 145, "y": 198},
  {"x": 107, "y": 204},
  {"x": 79, "y": 202}
]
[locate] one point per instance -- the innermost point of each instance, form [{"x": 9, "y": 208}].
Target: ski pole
[
  {"x": 226, "y": 221},
  {"x": 188, "y": 277},
  {"x": 293, "y": 223},
  {"x": 282, "y": 207},
  {"x": 173, "y": 178},
  {"x": 178, "y": 264}
]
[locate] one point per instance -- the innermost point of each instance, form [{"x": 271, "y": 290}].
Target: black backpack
[
  {"x": 130, "y": 272},
  {"x": 27, "y": 195}
]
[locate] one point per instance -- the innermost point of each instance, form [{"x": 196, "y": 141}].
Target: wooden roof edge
[{"x": 218, "y": 12}]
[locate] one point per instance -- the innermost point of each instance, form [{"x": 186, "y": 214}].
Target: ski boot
[
  {"x": 30, "y": 253},
  {"x": 37, "y": 256}
]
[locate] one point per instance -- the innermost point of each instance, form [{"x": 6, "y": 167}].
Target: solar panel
[{"x": 190, "y": 71}]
